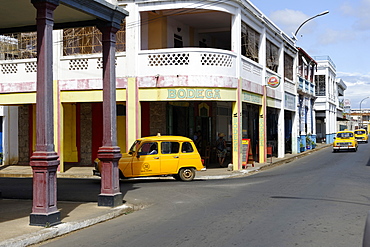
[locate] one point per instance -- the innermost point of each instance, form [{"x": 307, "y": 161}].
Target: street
[{"x": 319, "y": 200}]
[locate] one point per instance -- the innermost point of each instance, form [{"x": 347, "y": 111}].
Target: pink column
[
  {"x": 109, "y": 153},
  {"x": 44, "y": 160}
]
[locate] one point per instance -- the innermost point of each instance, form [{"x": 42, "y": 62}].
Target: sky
[{"x": 343, "y": 35}]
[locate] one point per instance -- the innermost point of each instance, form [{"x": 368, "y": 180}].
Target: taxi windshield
[
  {"x": 345, "y": 135},
  {"x": 134, "y": 147}
]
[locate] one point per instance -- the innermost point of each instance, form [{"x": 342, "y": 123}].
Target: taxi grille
[{"x": 344, "y": 144}]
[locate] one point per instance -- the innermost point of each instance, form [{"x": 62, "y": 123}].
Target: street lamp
[
  {"x": 361, "y": 110},
  {"x": 296, "y": 32}
]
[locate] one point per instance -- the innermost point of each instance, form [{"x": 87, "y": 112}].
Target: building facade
[
  {"x": 306, "y": 100},
  {"x": 327, "y": 99},
  {"x": 181, "y": 67}
]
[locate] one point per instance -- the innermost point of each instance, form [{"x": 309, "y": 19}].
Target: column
[
  {"x": 237, "y": 129},
  {"x": 109, "y": 153},
  {"x": 44, "y": 160},
  {"x": 281, "y": 131},
  {"x": 263, "y": 109},
  {"x": 237, "y": 105},
  {"x": 262, "y": 128},
  {"x": 133, "y": 106},
  {"x": 133, "y": 112},
  {"x": 281, "y": 111}
]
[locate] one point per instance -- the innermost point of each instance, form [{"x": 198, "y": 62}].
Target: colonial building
[
  {"x": 181, "y": 67},
  {"x": 342, "y": 121},
  {"x": 327, "y": 99},
  {"x": 306, "y": 100}
]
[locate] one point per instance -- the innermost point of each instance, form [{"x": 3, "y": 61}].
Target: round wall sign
[{"x": 273, "y": 81}]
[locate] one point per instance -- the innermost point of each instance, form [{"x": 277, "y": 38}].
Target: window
[
  {"x": 360, "y": 132},
  {"x": 187, "y": 148},
  {"x": 148, "y": 148},
  {"x": 272, "y": 56},
  {"x": 88, "y": 40},
  {"x": 134, "y": 147},
  {"x": 288, "y": 66},
  {"x": 18, "y": 46},
  {"x": 170, "y": 147},
  {"x": 345, "y": 135},
  {"x": 320, "y": 85},
  {"x": 250, "y": 42}
]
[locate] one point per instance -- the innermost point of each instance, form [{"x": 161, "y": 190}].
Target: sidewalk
[{"x": 14, "y": 216}]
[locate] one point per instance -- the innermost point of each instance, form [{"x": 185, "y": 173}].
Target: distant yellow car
[
  {"x": 361, "y": 135},
  {"x": 345, "y": 140},
  {"x": 159, "y": 155}
]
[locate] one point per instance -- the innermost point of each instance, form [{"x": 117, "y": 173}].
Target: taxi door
[
  {"x": 189, "y": 156},
  {"x": 169, "y": 157},
  {"x": 147, "y": 161}
]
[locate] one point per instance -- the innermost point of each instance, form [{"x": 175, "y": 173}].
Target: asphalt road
[{"x": 319, "y": 200}]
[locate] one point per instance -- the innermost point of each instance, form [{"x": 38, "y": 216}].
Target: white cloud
[
  {"x": 357, "y": 88},
  {"x": 288, "y": 20},
  {"x": 331, "y": 36},
  {"x": 360, "y": 12}
]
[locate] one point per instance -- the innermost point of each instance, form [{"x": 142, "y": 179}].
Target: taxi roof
[{"x": 165, "y": 138}]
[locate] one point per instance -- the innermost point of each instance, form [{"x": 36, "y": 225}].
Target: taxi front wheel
[{"x": 186, "y": 174}]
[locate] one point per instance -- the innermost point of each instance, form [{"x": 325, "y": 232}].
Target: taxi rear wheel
[{"x": 186, "y": 174}]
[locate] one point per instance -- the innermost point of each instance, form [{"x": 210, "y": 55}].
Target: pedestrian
[
  {"x": 198, "y": 141},
  {"x": 221, "y": 149}
]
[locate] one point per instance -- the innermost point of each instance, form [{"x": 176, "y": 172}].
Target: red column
[
  {"x": 109, "y": 153},
  {"x": 44, "y": 160}
]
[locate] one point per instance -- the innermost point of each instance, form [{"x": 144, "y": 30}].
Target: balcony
[
  {"x": 306, "y": 86},
  {"x": 195, "y": 67},
  {"x": 187, "y": 67}
]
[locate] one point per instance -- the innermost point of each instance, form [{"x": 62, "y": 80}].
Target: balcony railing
[
  {"x": 198, "y": 67},
  {"x": 306, "y": 86}
]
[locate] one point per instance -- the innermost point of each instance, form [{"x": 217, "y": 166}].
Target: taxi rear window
[
  {"x": 360, "y": 132},
  {"x": 187, "y": 148},
  {"x": 345, "y": 135}
]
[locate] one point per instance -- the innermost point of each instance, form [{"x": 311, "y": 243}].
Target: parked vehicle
[
  {"x": 159, "y": 155},
  {"x": 345, "y": 140},
  {"x": 361, "y": 135}
]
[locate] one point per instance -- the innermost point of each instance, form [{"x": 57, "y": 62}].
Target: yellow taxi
[
  {"x": 345, "y": 140},
  {"x": 159, "y": 155},
  {"x": 361, "y": 135}
]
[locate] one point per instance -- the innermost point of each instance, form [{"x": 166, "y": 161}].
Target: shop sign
[
  {"x": 191, "y": 93},
  {"x": 252, "y": 98},
  {"x": 289, "y": 101},
  {"x": 273, "y": 81}
]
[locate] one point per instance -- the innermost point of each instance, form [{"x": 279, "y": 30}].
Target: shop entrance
[
  {"x": 178, "y": 119},
  {"x": 251, "y": 127},
  {"x": 288, "y": 123},
  {"x": 190, "y": 119},
  {"x": 272, "y": 129}
]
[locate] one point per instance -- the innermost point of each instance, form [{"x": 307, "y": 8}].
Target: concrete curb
[{"x": 64, "y": 228}]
